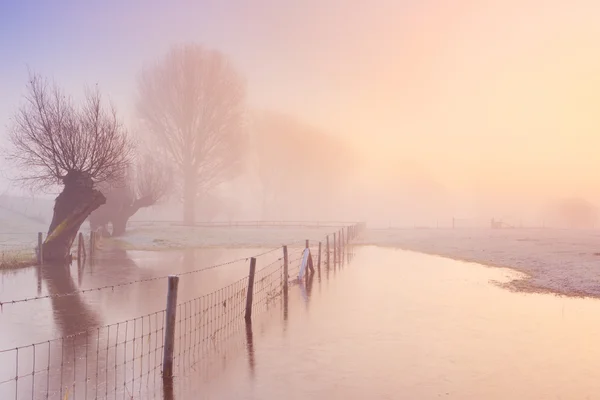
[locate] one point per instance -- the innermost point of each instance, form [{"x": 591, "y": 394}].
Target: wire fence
[
  {"x": 20, "y": 249},
  {"x": 249, "y": 224},
  {"x": 126, "y": 360},
  {"x": 111, "y": 361}
]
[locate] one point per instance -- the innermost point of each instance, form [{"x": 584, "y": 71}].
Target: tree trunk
[
  {"x": 75, "y": 203},
  {"x": 119, "y": 224},
  {"x": 189, "y": 200},
  {"x": 119, "y": 221}
]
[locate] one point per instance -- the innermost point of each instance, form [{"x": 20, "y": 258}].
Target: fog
[{"x": 398, "y": 113}]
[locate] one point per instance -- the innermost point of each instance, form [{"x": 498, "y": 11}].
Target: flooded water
[
  {"x": 390, "y": 324},
  {"x": 39, "y": 320},
  {"x": 395, "y": 324},
  {"x": 106, "y": 341}
]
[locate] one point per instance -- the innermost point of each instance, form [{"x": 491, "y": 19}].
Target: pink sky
[{"x": 498, "y": 95}]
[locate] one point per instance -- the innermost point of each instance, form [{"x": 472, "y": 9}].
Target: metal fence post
[
  {"x": 285, "y": 270},
  {"x": 40, "y": 248},
  {"x": 248, "y": 316},
  {"x": 319, "y": 258},
  {"x": 170, "y": 319}
]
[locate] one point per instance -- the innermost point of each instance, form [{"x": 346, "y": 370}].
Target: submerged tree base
[{"x": 76, "y": 202}]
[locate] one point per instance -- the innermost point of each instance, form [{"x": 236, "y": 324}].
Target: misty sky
[{"x": 495, "y": 97}]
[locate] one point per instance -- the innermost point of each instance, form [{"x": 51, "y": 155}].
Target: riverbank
[{"x": 565, "y": 262}]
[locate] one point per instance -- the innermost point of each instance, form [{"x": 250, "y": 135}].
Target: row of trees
[
  {"x": 196, "y": 136},
  {"x": 191, "y": 106}
]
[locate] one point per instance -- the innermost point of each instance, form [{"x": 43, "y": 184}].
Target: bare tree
[
  {"x": 145, "y": 185},
  {"x": 192, "y": 102},
  {"x": 55, "y": 142}
]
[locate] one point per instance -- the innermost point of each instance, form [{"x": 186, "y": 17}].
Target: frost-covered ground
[
  {"x": 161, "y": 236},
  {"x": 18, "y": 232},
  {"x": 561, "y": 261}
]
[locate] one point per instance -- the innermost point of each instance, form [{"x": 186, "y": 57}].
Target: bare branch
[
  {"x": 152, "y": 181},
  {"x": 52, "y": 137},
  {"x": 192, "y": 103}
]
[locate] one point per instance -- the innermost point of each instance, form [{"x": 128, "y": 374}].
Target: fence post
[
  {"x": 334, "y": 249},
  {"x": 92, "y": 234},
  {"x": 340, "y": 246},
  {"x": 319, "y": 258},
  {"x": 40, "y": 262},
  {"x": 171, "y": 318},
  {"x": 327, "y": 249},
  {"x": 307, "y": 244},
  {"x": 248, "y": 316},
  {"x": 285, "y": 270},
  {"x": 80, "y": 247},
  {"x": 40, "y": 248}
]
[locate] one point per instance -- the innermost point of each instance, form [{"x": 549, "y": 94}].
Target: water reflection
[
  {"x": 250, "y": 348},
  {"x": 403, "y": 325},
  {"x": 71, "y": 314}
]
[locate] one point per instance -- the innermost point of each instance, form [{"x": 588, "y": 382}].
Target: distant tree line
[{"x": 196, "y": 133}]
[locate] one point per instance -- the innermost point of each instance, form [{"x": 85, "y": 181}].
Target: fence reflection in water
[{"x": 125, "y": 360}]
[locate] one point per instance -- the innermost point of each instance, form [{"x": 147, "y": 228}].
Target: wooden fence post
[
  {"x": 307, "y": 244},
  {"x": 92, "y": 240},
  {"x": 334, "y": 249},
  {"x": 40, "y": 262},
  {"x": 340, "y": 245},
  {"x": 319, "y": 259},
  {"x": 40, "y": 248},
  {"x": 170, "y": 320},
  {"x": 80, "y": 248},
  {"x": 327, "y": 249},
  {"x": 248, "y": 316},
  {"x": 285, "y": 270}
]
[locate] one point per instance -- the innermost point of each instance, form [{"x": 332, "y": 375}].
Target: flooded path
[
  {"x": 391, "y": 324},
  {"x": 395, "y": 324},
  {"x": 39, "y": 320}
]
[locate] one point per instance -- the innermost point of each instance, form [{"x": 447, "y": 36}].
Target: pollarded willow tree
[
  {"x": 57, "y": 142},
  {"x": 193, "y": 104},
  {"x": 147, "y": 183}
]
